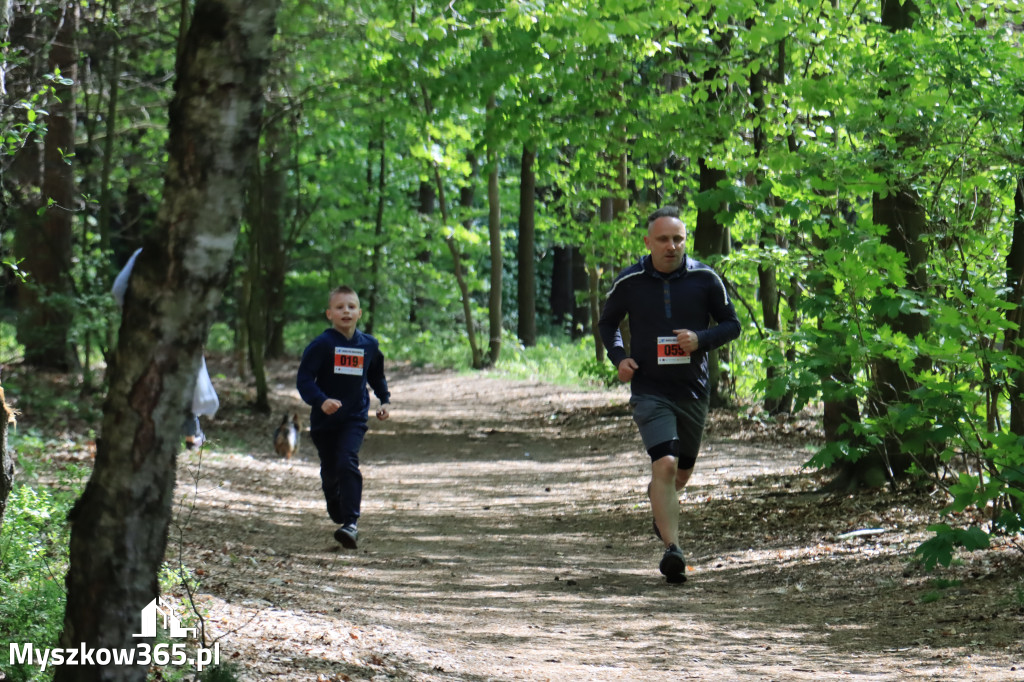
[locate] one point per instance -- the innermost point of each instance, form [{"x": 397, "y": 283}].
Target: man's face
[
  {"x": 666, "y": 240},
  {"x": 344, "y": 312}
]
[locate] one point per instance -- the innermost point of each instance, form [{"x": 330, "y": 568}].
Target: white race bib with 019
[
  {"x": 348, "y": 361},
  {"x": 670, "y": 352}
]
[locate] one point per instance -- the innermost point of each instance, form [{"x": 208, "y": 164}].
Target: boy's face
[{"x": 344, "y": 312}]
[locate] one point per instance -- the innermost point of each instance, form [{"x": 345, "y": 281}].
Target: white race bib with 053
[
  {"x": 670, "y": 352},
  {"x": 348, "y": 361}
]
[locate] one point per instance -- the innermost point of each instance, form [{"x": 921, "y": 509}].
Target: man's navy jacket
[{"x": 691, "y": 298}]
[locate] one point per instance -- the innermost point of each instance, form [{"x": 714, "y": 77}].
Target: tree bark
[
  {"x": 6, "y": 461},
  {"x": 711, "y": 238},
  {"x": 45, "y": 298},
  {"x": 901, "y": 214},
  {"x": 494, "y": 301},
  {"x": 119, "y": 526},
  {"x": 1015, "y": 315},
  {"x": 580, "y": 286},
  {"x": 378, "y": 234},
  {"x": 526, "y": 281},
  {"x": 560, "y": 298}
]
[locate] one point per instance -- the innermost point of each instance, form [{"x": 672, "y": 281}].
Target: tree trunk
[
  {"x": 45, "y": 304},
  {"x": 527, "y": 285},
  {"x": 276, "y": 246},
  {"x": 6, "y": 461},
  {"x": 711, "y": 238},
  {"x": 1015, "y": 284},
  {"x": 901, "y": 214},
  {"x": 119, "y": 526},
  {"x": 426, "y": 204},
  {"x": 476, "y": 356},
  {"x": 494, "y": 303},
  {"x": 1015, "y": 315},
  {"x": 378, "y": 234},
  {"x": 581, "y": 319},
  {"x": 767, "y": 281},
  {"x": 560, "y": 299},
  {"x": 594, "y": 287}
]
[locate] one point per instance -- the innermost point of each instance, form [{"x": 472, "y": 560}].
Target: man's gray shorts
[{"x": 661, "y": 420}]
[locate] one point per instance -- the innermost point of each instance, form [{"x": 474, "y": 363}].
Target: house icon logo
[{"x": 153, "y": 612}]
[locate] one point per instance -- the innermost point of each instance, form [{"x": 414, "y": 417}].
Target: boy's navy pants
[{"x": 339, "y": 469}]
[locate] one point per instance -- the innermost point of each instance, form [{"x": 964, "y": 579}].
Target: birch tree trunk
[{"x": 119, "y": 526}]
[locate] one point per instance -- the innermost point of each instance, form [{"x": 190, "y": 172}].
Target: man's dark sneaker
[
  {"x": 347, "y": 536},
  {"x": 673, "y": 566}
]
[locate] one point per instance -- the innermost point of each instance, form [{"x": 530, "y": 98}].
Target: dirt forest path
[{"x": 506, "y": 536}]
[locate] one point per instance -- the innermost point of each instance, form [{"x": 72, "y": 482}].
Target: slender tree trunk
[
  {"x": 594, "y": 286},
  {"x": 527, "y": 279},
  {"x": 44, "y": 321},
  {"x": 378, "y": 233},
  {"x": 711, "y": 238},
  {"x": 119, "y": 526},
  {"x": 1015, "y": 315},
  {"x": 274, "y": 246},
  {"x": 110, "y": 133},
  {"x": 426, "y": 204},
  {"x": 581, "y": 319},
  {"x": 560, "y": 299},
  {"x": 494, "y": 302},
  {"x": 476, "y": 355},
  {"x": 6, "y": 461}
]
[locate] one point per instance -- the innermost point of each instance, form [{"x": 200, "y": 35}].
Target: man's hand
[
  {"x": 384, "y": 411},
  {"x": 330, "y": 406},
  {"x": 627, "y": 368},
  {"x": 686, "y": 339}
]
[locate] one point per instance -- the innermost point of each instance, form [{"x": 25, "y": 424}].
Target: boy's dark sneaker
[
  {"x": 673, "y": 566},
  {"x": 347, "y": 535}
]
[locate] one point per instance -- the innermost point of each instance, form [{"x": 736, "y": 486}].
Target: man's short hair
[{"x": 663, "y": 212}]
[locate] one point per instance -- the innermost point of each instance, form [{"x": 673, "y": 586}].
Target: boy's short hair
[
  {"x": 663, "y": 212},
  {"x": 343, "y": 289}
]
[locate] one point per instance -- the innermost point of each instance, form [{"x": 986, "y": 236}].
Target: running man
[{"x": 671, "y": 301}]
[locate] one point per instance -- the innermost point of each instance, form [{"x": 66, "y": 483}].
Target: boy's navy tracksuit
[{"x": 335, "y": 367}]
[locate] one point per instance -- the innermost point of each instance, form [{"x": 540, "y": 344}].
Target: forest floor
[{"x": 506, "y": 535}]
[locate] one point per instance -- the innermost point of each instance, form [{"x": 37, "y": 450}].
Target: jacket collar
[{"x": 681, "y": 271}]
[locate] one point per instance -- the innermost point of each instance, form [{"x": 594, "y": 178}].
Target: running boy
[{"x": 333, "y": 375}]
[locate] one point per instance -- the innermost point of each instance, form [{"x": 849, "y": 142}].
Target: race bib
[
  {"x": 670, "y": 353},
  {"x": 348, "y": 361}
]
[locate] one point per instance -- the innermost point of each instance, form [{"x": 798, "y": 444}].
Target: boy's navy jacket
[
  {"x": 335, "y": 367},
  {"x": 656, "y": 303}
]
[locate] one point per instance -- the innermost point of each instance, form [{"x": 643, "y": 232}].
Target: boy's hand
[
  {"x": 330, "y": 406},
  {"x": 383, "y": 412}
]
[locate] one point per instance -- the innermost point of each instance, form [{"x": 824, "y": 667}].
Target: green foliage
[
  {"x": 9, "y": 346},
  {"x": 939, "y": 549},
  {"x": 33, "y": 560},
  {"x": 553, "y": 359}
]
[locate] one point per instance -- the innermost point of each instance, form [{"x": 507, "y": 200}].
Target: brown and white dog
[{"x": 286, "y": 436}]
